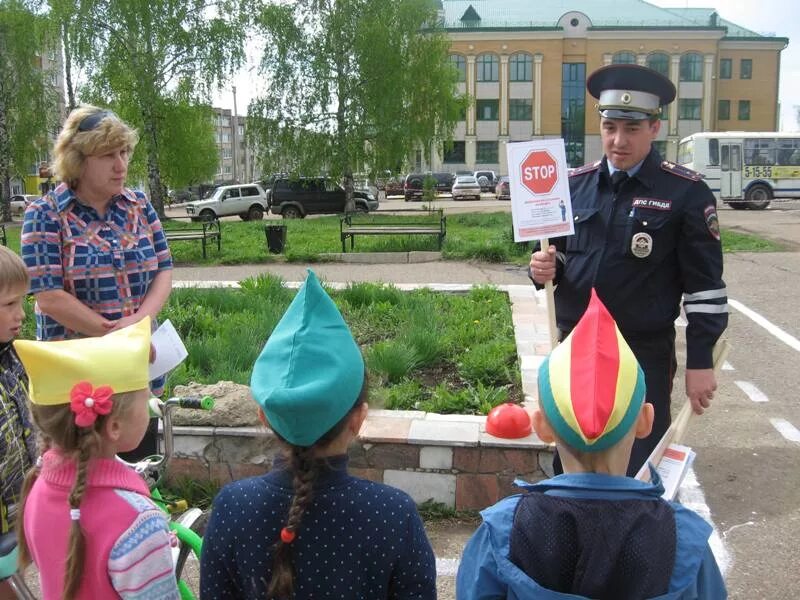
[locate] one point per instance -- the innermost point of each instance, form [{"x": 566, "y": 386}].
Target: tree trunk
[
  {"x": 68, "y": 67},
  {"x": 153, "y": 172},
  {"x": 5, "y": 175}
]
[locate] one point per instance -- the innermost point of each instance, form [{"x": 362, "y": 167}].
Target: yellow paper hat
[{"x": 119, "y": 359}]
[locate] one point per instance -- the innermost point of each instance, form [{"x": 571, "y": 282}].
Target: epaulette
[
  {"x": 588, "y": 168},
  {"x": 681, "y": 171}
]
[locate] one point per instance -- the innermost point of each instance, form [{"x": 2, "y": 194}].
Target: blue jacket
[{"x": 487, "y": 573}]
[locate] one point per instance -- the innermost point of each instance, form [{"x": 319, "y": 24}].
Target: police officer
[{"x": 646, "y": 234}]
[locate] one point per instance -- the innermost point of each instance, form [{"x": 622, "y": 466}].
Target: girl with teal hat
[{"x": 308, "y": 529}]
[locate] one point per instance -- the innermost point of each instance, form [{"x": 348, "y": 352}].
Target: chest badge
[{"x": 641, "y": 245}]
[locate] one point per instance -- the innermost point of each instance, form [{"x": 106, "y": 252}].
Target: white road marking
[
  {"x": 779, "y": 333},
  {"x": 755, "y": 394},
  {"x": 692, "y": 497},
  {"x": 447, "y": 567},
  {"x": 726, "y": 366},
  {"x": 786, "y": 429}
]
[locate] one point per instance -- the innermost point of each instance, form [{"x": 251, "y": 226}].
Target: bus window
[
  {"x": 726, "y": 160},
  {"x": 789, "y": 152},
  {"x": 759, "y": 152},
  {"x": 713, "y": 152},
  {"x": 685, "y": 152}
]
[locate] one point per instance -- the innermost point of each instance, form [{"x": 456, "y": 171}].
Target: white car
[
  {"x": 249, "y": 201},
  {"x": 19, "y": 202},
  {"x": 466, "y": 187}
]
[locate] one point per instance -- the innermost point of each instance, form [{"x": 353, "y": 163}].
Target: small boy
[
  {"x": 17, "y": 440},
  {"x": 591, "y": 532}
]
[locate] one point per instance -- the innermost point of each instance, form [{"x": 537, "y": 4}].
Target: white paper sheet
[{"x": 170, "y": 351}]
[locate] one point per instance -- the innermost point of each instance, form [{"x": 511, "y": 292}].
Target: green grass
[{"x": 473, "y": 236}]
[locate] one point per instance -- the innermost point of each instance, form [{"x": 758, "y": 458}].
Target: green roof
[{"x": 606, "y": 14}]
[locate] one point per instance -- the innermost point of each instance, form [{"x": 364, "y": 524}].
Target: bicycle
[{"x": 187, "y": 527}]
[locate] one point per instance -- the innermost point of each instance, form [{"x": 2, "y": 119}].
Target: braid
[
  {"x": 305, "y": 469},
  {"x": 76, "y": 548}
]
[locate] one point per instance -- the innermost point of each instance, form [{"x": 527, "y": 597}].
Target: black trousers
[{"x": 656, "y": 355}]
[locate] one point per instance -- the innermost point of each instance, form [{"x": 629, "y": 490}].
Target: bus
[{"x": 745, "y": 169}]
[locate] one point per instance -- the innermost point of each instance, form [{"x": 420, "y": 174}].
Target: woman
[{"x": 95, "y": 250}]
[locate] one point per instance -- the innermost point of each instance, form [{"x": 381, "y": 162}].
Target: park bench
[
  {"x": 206, "y": 230},
  {"x": 394, "y": 222}
]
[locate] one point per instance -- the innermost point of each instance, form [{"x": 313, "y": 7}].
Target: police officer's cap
[{"x": 629, "y": 91}]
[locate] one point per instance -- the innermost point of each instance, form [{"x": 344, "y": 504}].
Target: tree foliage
[
  {"x": 354, "y": 84},
  {"x": 28, "y": 108},
  {"x": 156, "y": 63}
]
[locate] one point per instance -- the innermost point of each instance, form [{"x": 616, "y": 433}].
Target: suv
[
  {"x": 415, "y": 183},
  {"x": 296, "y": 198},
  {"x": 486, "y": 179},
  {"x": 248, "y": 201}
]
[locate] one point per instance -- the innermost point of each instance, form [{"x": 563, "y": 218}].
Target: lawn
[
  {"x": 431, "y": 351},
  {"x": 472, "y": 236}
]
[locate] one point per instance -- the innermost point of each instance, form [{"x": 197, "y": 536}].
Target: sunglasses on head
[{"x": 91, "y": 121}]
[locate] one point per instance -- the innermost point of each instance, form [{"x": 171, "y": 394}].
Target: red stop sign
[{"x": 538, "y": 172}]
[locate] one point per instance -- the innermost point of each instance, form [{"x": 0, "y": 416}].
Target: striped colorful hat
[{"x": 591, "y": 387}]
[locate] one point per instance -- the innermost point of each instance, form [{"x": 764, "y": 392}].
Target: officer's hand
[
  {"x": 700, "y": 386},
  {"x": 543, "y": 265}
]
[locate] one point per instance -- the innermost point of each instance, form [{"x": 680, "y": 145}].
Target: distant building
[
  {"x": 525, "y": 64},
  {"x": 236, "y": 159}
]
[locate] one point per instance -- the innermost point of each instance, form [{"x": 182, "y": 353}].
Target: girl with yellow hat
[{"x": 87, "y": 520}]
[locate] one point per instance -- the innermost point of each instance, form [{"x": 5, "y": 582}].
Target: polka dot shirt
[{"x": 357, "y": 540}]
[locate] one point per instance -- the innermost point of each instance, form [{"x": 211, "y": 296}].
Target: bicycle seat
[{"x": 8, "y": 555}]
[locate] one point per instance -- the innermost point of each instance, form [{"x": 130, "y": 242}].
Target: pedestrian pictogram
[{"x": 538, "y": 172}]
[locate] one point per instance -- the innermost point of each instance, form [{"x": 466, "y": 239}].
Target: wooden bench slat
[{"x": 429, "y": 223}]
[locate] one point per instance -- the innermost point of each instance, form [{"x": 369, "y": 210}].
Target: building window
[
  {"x": 691, "y": 67},
  {"x": 746, "y": 68},
  {"x": 689, "y": 108},
  {"x": 623, "y": 58},
  {"x": 744, "y": 110},
  {"x": 724, "y": 110},
  {"x": 460, "y": 65},
  {"x": 486, "y": 152},
  {"x": 520, "y": 109},
  {"x": 573, "y": 111},
  {"x": 725, "y": 68},
  {"x": 455, "y": 153},
  {"x": 521, "y": 67},
  {"x": 488, "y": 67},
  {"x": 658, "y": 61},
  {"x": 487, "y": 110}
]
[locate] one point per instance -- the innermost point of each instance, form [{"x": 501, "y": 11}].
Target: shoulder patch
[
  {"x": 588, "y": 168},
  {"x": 680, "y": 171}
]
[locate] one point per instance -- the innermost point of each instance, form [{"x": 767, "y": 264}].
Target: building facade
[
  {"x": 236, "y": 158},
  {"x": 525, "y": 66}
]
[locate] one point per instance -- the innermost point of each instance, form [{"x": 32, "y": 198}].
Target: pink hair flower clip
[{"x": 87, "y": 403}]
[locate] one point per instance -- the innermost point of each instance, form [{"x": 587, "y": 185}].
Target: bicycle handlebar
[{"x": 204, "y": 403}]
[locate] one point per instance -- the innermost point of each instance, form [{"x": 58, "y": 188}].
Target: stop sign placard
[{"x": 538, "y": 172}]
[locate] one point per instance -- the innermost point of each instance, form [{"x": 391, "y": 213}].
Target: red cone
[{"x": 509, "y": 421}]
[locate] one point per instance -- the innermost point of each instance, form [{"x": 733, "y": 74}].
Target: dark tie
[{"x": 617, "y": 179}]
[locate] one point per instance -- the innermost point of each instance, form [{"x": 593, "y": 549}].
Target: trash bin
[{"x": 276, "y": 237}]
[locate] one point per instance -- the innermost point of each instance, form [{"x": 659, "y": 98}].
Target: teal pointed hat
[{"x": 310, "y": 372}]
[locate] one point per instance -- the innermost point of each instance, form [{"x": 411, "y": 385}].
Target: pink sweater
[{"x": 127, "y": 537}]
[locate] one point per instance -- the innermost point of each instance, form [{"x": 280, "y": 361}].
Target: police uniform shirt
[{"x": 642, "y": 249}]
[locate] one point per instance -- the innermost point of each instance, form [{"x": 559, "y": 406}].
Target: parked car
[
  {"x": 415, "y": 184},
  {"x": 296, "y": 198},
  {"x": 363, "y": 184},
  {"x": 486, "y": 179},
  {"x": 394, "y": 187},
  {"x": 249, "y": 201},
  {"x": 466, "y": 187},
  {"x": 19, "y": 202},
  {"x": 502, "y": 191}
]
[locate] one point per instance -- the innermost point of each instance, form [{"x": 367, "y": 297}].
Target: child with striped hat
[{"x": 591, "y": 532}]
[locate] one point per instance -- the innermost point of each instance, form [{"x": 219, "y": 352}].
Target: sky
[{"x": 775, "y": 17}]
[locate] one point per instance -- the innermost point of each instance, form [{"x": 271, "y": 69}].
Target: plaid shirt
[
  {"x": 106, "y": 263},
  {"x": 17, "y": 440}
]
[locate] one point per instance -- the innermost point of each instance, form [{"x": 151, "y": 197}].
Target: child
[
  {"x": 87, "y": 520},
  {"x": 17, "y": 442},
  {"x": 592, "y": 532},
  {"x": 308, "y": 529}
]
